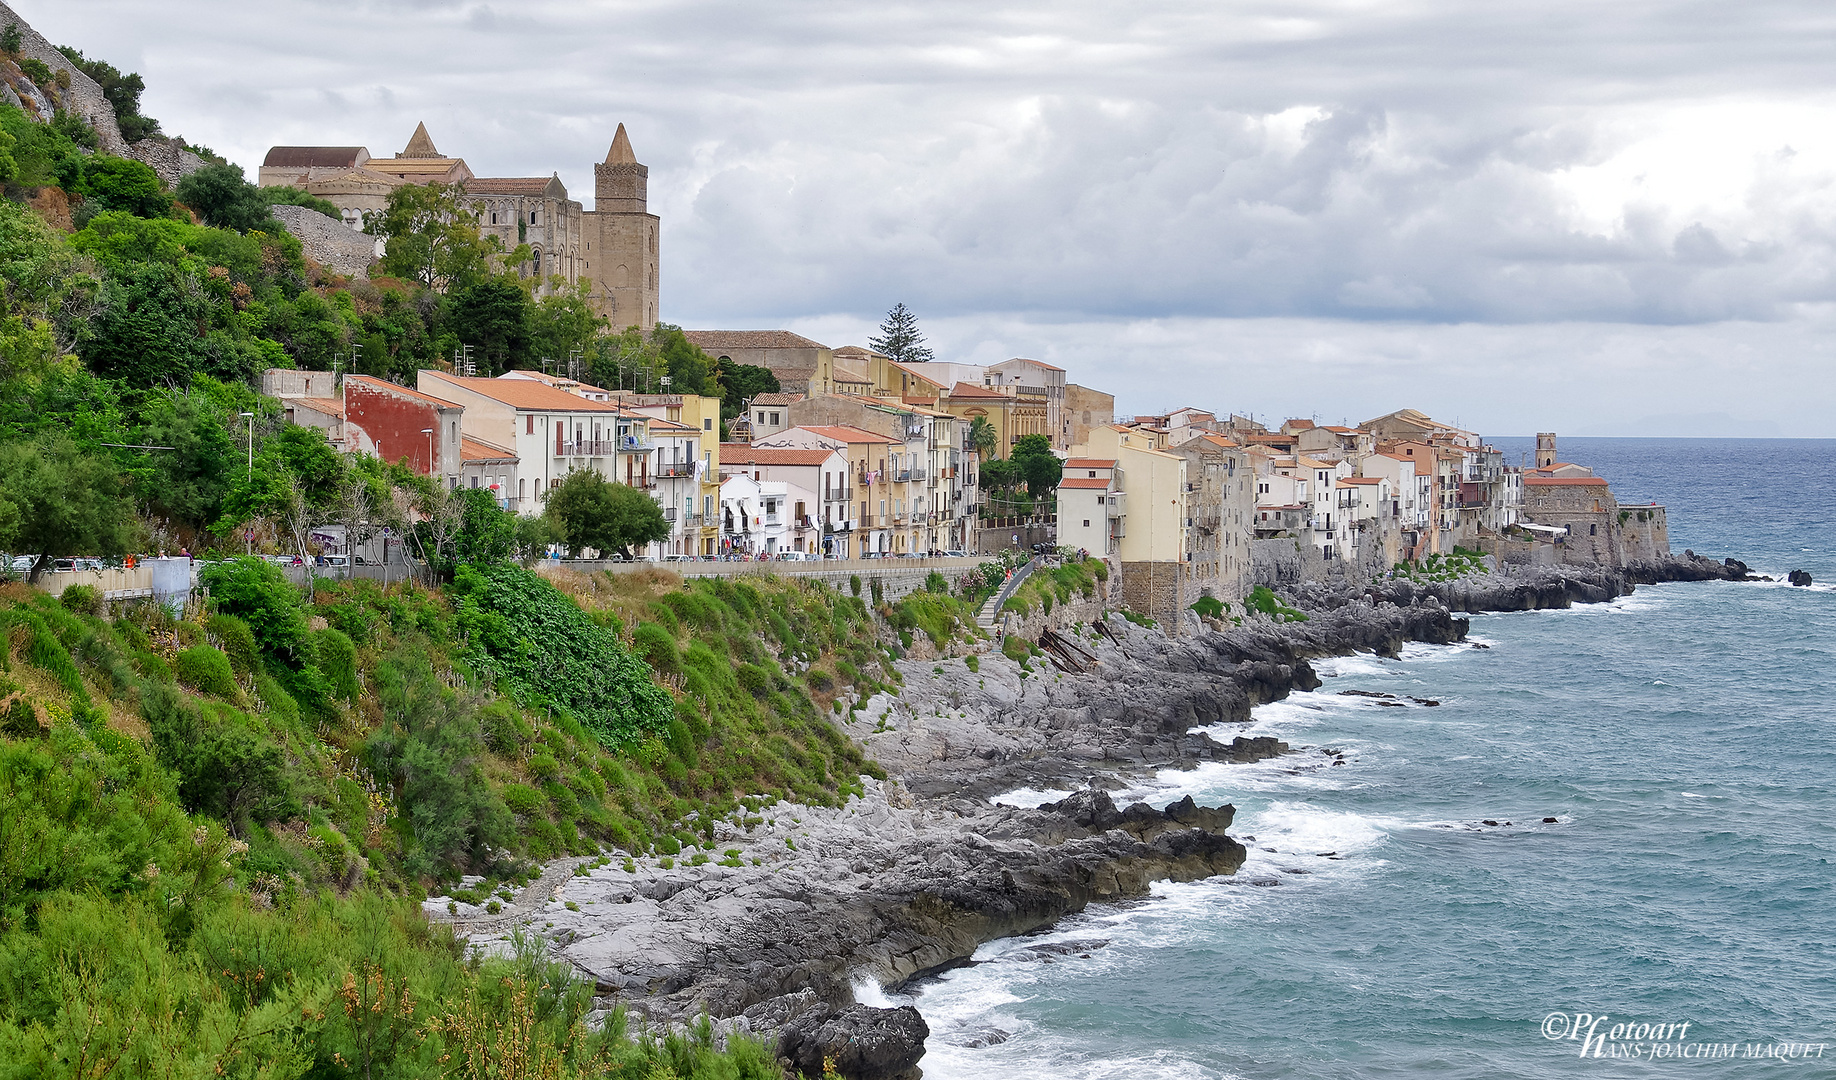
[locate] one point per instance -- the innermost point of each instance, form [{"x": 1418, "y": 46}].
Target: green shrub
[
  {"x": 544, "y": 767},
  {"x": 337, "y": 656},
  {"x": 19, "y": 720},
  {"x": 936, "y": 582},
  {"x": 38, "y": 71},
  {"x": 236, "y": 640},
  {"x": 854, "y": 584},
  {"x": 82, "y": 599},
  {"x": 1016, "y": 648},
  {"x": 207, "y": 671},
  {"x": 974, "y": 663},
  {"x": 1209, "y": 607},
  {"x": 521, "y": 798},
  {"x": 879, "y": 592},
  {"x": 658, "y": 648}
]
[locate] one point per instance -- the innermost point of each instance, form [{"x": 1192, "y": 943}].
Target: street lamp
[
  {"x": 248, "y": 535},
  {"x": 427, "y": 431}
]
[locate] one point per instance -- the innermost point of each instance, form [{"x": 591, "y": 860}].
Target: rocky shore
[{"x": 797, "y": 909}]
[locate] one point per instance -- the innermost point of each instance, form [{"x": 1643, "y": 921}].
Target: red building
[{"x": 394, "y": 422}]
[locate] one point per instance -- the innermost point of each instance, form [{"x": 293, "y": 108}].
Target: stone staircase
[{"x": 991, "y": 611}]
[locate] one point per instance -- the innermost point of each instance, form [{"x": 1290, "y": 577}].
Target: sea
[{"x": 1619, "y": 820}]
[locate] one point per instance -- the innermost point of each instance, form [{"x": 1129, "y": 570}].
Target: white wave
[{"x": 1027, "y": 798}]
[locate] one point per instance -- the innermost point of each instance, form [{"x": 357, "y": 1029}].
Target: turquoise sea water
[{"x": 1683, "y": 739}]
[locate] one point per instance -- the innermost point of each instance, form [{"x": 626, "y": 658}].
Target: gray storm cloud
[{"x": 1373, "y": 187}]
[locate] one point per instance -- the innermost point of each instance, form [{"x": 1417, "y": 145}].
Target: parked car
[
  {"x": 334, "y": 560},
  {"x": 678, "y": 558},
  {"x": 956, "y": 554}
]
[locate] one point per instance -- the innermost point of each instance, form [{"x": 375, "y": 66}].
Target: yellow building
[
  {"x": 1151, "y": 541},
  {"x": 1013, "y": 415}
]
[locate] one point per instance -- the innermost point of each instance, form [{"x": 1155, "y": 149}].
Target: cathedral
[{"x": 613, "y": 247}]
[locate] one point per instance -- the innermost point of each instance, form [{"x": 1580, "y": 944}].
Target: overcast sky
[{"x": 1598, "y": 218}]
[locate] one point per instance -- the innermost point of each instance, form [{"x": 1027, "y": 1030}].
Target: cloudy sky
[{"x": 1598, "y": 218}]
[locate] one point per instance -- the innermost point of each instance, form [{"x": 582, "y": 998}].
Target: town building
[
  {"x": 816, "y": 483},
  {"x": 1091, "y": 514},
  {"x": 875, "y": 528},
  {"x": 614, "y": 247},
  {"x": 395, "y": 423},
  {"x": 1085, "y": 409},
  {"x": 1221, "y": 504},
  {"x": 793, "y": 358}
]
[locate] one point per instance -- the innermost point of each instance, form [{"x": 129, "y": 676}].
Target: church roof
[
  {"x": 420, "y": 145},
  {"x": 516, "y": 185},
  {"x": 621, "y": 154},
  {"x": 712, "y": 340},
  {"x": 315, "y": 157}
]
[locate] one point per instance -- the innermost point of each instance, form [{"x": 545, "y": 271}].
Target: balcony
[
  {"x": 840, "y": 495},
  {"x": 899, "y": 476},
  {"x": 1118, "y": 528},
  {"x": 632, "y": 444},
  {"x": 774, "y": 519},
  {"x": 584, "y": 448},
  {"x": 673, "y": 470}
]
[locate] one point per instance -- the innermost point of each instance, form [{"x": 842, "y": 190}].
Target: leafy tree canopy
[
  {"x": 432, "y": 236},
  {"x": 740, "y": 383},
  {"x": 1039, "y": 466},
  {"x": 225, "y": 199},
  {"x": 591, "y": 512},
  {"x": 493, "y": 316},
  {"x": 122, "y": 91},
  {"x": 56, "y": 501},
  {"x": 112, "y": 183}
]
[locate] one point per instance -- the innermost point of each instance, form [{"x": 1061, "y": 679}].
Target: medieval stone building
[{"x": 613, "y": 247}]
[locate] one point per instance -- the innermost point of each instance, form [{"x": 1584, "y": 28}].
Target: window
[
  {"x": 519, "y": 487},
  {"x": 529, "y": 428},
  {"x": 474, "y": 481},
  {"x": 1093, "y": 474},
  {"x": 707, "y": 423},
  {"x": 532, "y": 217},
  {"x": 774, "y": 419},
  {"x": 1086, "y": 523}
]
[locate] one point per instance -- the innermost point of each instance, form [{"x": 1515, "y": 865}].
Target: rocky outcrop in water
[
  {"x": 878, "y": 891},
  {"x": 1799, "y": 577}
]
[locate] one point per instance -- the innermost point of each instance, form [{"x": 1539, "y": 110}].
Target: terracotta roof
[
  {"x": 512, "y": 185},
  {"x": 478, "y": 450},
  {"x": 1026, "y": 360},
  {"x": 1301, "y": 424},
  {"x": 1564, "y": 481},
  {"x": 404, "y": 391},
  {"x": 314, "y": 157},
  {"x": 659, "y": 426},
  {"x": 715, "y": 340},
  {"x": 330, "y": 406},
  {"x": 1227, "y": 443},
  {"x": 856, "y": 350},
  {"x": 1313, "y": 463},
  {"x": 847, "y": 433},
  {"x": 744, "y": 454},
  {"x": 555, "y": 381},
  {"x": 778, "y": 399},
  {"x": 529, "y": 395},
  {"x": 1270, "y": 439},
  {"x": 1090, "y": 463},
  {"x": 915, "y": 371},
  {"x": 1089, "y": 482},
  {"x": 1354, "y": 481},
  {"x": 970, "y": 390}
]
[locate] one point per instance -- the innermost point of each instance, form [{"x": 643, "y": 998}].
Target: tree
[
  {"x": 122, "y": 91},
  {"x": 590, "y": 511},
  {"x": 492, "y": 316},
  {"x": 112, "y": 183},
  {"x": 224, "y": 198},
  {"x": 285, "y": 195},
  {"x": 564, "y": 321},
  {"x": 740, "y": 383},
  {"x": 1039, "y": 466},
  {"x": 146, "y": 327},
  {"x": 56, "y": 501},
  {"x": 983, "y": 437},
  {"x": 432, "y": 236},
  {"x": 900, "y": 338}
]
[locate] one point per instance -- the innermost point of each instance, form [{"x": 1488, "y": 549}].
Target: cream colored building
[{"x": 1152, "y": 548}]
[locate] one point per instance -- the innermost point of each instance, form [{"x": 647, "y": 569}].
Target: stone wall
[
  {"x": 1284, "y": 561},
  {"x": 331, "y": 244},
  {"x": 1158, "y": 590},
  {"x": 84, "y": 97},
  {"x": 167, "y": 158},
  {"x": 995, "y": 541}
]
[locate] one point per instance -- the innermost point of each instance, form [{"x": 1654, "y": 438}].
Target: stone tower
[
  {"x": 622, "y": 259},
  {"x": 1545, "y": 449}
]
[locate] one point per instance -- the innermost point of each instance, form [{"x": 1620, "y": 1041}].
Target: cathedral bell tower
[{"x": 623, "y": 263}]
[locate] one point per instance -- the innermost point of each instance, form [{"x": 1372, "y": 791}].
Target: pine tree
[{"x": 900, "y": 338}]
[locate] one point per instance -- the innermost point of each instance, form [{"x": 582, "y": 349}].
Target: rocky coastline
[{"x": 809, "y": 907}]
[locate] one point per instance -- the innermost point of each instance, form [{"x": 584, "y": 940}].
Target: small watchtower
[{"x": 1545, "y": 449}]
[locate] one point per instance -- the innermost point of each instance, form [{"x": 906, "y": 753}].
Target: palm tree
[{"x": 983, "y": 437}]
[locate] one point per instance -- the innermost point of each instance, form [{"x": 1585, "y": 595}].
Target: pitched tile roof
[
  {"x": 744, "y": 454},
  {"x": 387, "y": 387},
  {"x": 1090, "y": 463},
  {"x": 1564, "y": 481},
  {"x": 529, "y": 395},
  {"x": 1092, "y": 483},
  {"x": 778, "y": 399},
  {"x": 970, "y": 390},
  {"x": 715, "y": 340},
  {"x": 847, "y": 433},
  {"x": 315, "y": 157},
  {"x": 330, "y": 406},
  {"x": 478, "y": 450}
]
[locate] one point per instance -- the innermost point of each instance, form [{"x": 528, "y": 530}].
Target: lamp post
[
  {"x": 427, "y": 431},
  {"x": 248, "y": 535}
]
